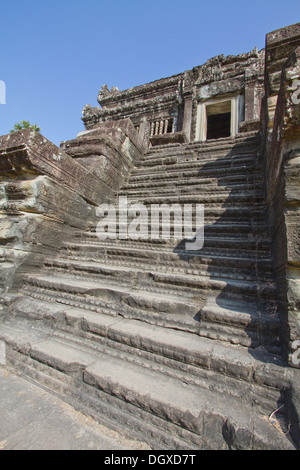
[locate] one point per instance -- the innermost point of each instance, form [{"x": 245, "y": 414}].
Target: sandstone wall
[
  {"x": 282, "y": 171},
  {"x": 45, "y": 194}
]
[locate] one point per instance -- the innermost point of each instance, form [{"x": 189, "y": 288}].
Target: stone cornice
[{"x": 141, "y": 90}]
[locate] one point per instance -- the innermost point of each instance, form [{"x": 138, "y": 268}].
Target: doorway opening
[{"x": 218, "y": 119}]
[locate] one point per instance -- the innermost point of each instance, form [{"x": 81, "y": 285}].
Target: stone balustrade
[{"x": 162, "y": 126}]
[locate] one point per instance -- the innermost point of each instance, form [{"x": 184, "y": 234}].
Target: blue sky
[{"x": 56, "y": 55}]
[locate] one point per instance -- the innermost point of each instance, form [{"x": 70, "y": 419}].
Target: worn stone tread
[
  {"x": 182, "y": 404},
  {"x": 185, "y": 405},
  {"x": 180, "y": 279},
  {"x": 113, "y": 290},
  {"x": 243, "y": 363}
]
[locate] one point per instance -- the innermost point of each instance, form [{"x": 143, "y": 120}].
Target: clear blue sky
[{"x": 55, "y": 55}]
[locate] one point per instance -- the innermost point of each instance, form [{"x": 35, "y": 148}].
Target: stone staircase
[{"x": 179, "y": 349}]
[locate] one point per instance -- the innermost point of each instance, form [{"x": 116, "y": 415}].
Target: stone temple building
[{"x": 182, "y": 348}]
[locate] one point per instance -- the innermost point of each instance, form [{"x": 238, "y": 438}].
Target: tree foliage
[{"x": 19, "y": 126}]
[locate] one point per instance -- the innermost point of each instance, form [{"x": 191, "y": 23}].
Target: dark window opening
[
  {"x": 218, "y": 125},
  {"x": 170, "y": 126}
]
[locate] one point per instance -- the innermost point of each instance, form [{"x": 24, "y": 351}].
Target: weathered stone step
[
  {"x": 173, "y": 277},
  {"x": 149, "y": 225},
  {"x": 169, "y": 178},
  {"x": 248, "y": 193},
  {"x": 234, "y": 183},
  {"x": 136, "y": 337},
  {"x": 239, "y": 236},
  {"x": 227, "y": 231},
  {"x": 247, "y": 365},
  {"x": 214, "y": 169},
  {"x": 215, "y": 210},
  {"x": 223, "y": 143},
  {"x": 194, "y": 193},
  {"x": 248, "y": 157},
  {"x": 159, "y": 305},
  {"x": 186, "y": 406},
  {"x": 145, "y": 283},
  {"x": 242, "y": 229},
  {"x": 235, "y": 322},
  {"x": 206, "y": 151},
  {"x": 197, "y": 166},
  {"x": 107, "y": 410},
  {"x": 114, "y": 285},
  {"x": 225, "y": 248},
  {"x": 207, "y": 146},
  {"x": 228, "y": 263},
  {"x": 189, "y": 176},
  {"x": 209, "y": 266},
  {"x": 196, "y": 197}
]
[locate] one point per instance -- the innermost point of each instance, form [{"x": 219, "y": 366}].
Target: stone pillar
[
  {"x": 201, "y": 123},
  {"x": 250, "y": 91},
  {"x": 144, "y": 132},
  {"x": 234, "y": 124},
  {"x": 187, "y": 117},
  {"x": 166, "y": 126}
]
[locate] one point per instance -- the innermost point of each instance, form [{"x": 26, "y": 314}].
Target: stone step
[
  {"x": 226, "y": 144},
  {"x": 216, "y": 264},
  {"x": 229, "y": 249},
  {"x": 229, "y": 320},
  {"x": 175, "y": 179},
  {"x": 207, "y": 146},
  {"x": 232, "y": 197},
  {"x": 234, "y": 183},
  {"x": 161, "y": 299},
  {"x": 194, "y": 158},
  {"x": 220, "y": 231},
  {"x": 214, "y": 169},
  {"x": 178, "y": 346},
  {"x": 192, "y": 412},
  {"x": 224, "y": 235},
  {"x": 235, "y": 244},
  {"x": 233, "y": 263},
  {"x": 114, "y": 285},
  {"x": 148, "y": 223},
  {"x": 210, "y": 266},
  {"x": 137, "y": 337},
  {"x": 208, "y": 191},
  {"x": 185, "y": 176},
  {"x": 174, "y": 234},
  {"x": 250, "y": 193},
  {"x": 215, "y": 208},
  {"x": 207, "y": 151},
  {"x": 155, "y": 276},
  {"x": 196, "y": 164}
]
